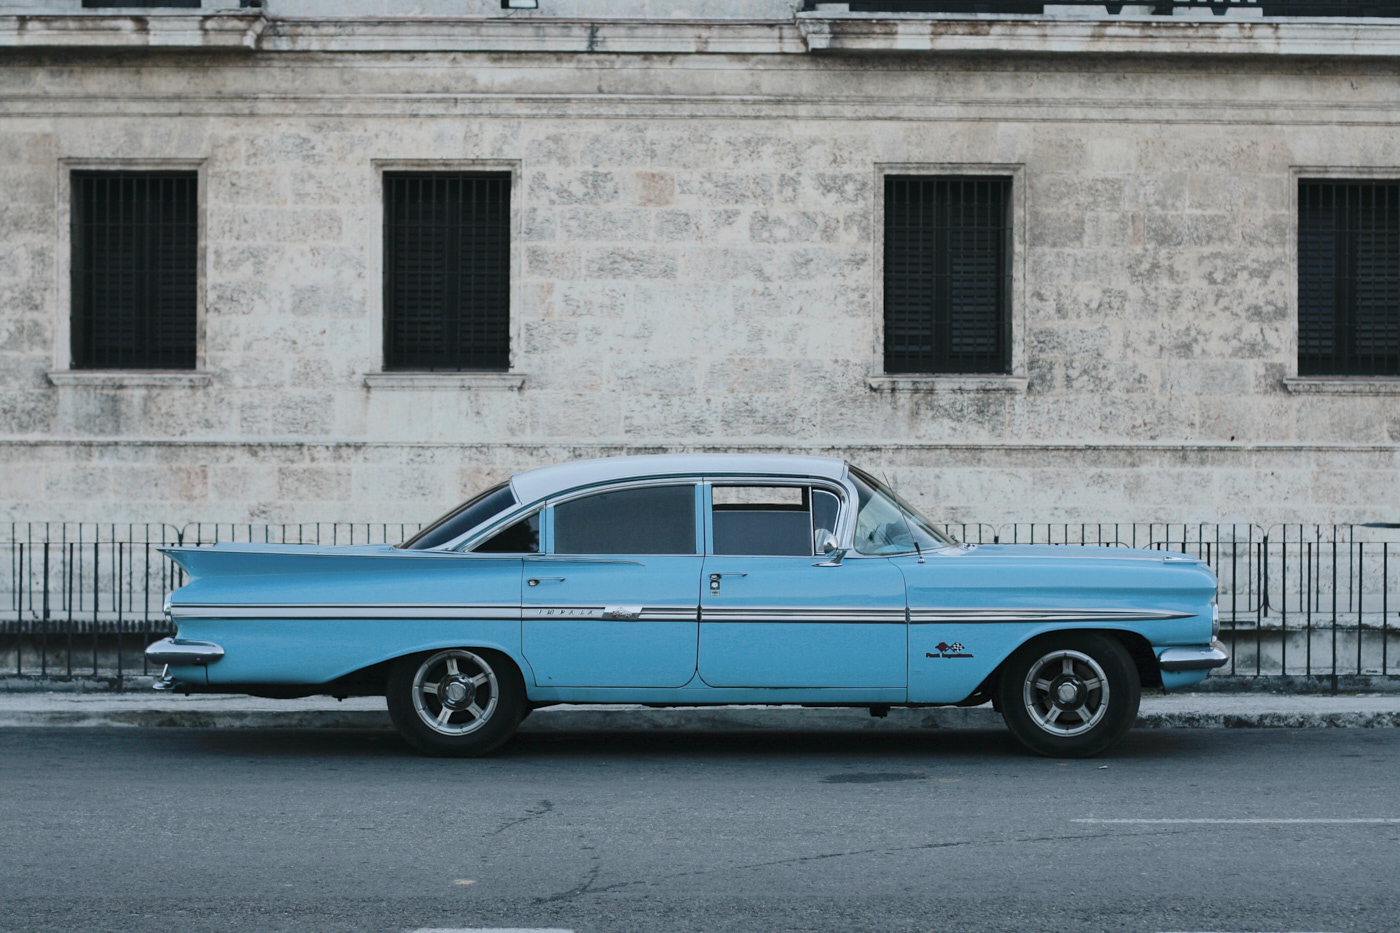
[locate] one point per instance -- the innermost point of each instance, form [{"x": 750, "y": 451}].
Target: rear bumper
[
  {"x": 1173, "y": 660},
  {"x": 177, "y": 652}
]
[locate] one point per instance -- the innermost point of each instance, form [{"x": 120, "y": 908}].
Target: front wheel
[
  {"x": 1069, "y": 695},
  {"x": 456, "y": 701}
]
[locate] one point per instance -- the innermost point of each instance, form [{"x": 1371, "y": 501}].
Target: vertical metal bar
[
  {"x": 72, "y": 579},
  {"x": 120, "y": 555},
  {"x": 44, "y": 624},
  {"x": 96, "y": 589},
  {"x": 1283, "y": 604},
  {"x": 1334, "y": 609},
  {"x": 1360, "y": 598},
  {"x": 1307, "y": 606}
]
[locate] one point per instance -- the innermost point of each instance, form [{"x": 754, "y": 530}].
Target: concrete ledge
[{"x": 122, "y": 379}]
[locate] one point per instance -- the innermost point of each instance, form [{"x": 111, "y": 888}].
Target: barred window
[
  {"x": 947, "y": 269},
  {"x": 1348, "y": 278},
  {"x": 446, "y": 271},
  {"x": 135, "y": 240}
]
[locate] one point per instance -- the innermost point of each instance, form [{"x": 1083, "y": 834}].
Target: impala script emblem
[{"x": 945, "y": 650}]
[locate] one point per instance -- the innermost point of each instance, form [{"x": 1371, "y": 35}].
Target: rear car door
[{"x": 614, "y": 601}]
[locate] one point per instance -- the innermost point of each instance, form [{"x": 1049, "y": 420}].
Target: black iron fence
[{"x": 84, "y": 600}]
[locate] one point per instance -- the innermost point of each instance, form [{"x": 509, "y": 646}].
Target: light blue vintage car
[{"x": 688, "y": 580}]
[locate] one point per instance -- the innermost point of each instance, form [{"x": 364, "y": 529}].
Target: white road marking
[{"x": 1342, "y": 822}]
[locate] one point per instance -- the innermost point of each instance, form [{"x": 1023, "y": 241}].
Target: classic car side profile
[{"x": 688, "y": 580}]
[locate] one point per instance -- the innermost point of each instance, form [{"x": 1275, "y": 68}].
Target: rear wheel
[
  {"x": 1070, "y": 695},
  {"x": 456, "y": 701}
]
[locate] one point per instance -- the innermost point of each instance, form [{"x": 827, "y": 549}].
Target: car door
[
  {"x": 614, "y": 601},
  {"x": 774, "y": 614}
]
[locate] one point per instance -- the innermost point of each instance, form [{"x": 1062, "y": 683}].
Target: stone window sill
[
  {"x": 131, "y": 378},
  {"x": 1011, "y": 384},
  {"x": 1342, "y": 385},
  {"x": 512, "y": 382}
]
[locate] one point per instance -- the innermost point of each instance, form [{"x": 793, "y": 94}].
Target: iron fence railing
[{"x": 83, "y": 600}]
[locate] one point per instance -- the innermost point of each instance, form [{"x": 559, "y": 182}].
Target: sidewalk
[{"x": 1189, "y": 710}]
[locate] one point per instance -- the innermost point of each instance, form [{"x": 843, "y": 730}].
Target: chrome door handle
[
  {"x": 716, "y": 577},
  {"x": 536, "y": 581}
]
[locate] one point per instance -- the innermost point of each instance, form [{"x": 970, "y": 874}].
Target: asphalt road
[{"x": 192, "y": 830}]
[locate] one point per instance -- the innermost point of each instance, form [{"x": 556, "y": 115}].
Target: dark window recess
[
  {"x": 135, "y": 243},
  {"x": 947, "y": 275},
  {"x": 523, "y": 537},
  {"x": 463, "y": 518},
  {"x": 1348, "y": 278},
  {"x": 648, "y": 520},
  {"x": 446, "y": 271}
]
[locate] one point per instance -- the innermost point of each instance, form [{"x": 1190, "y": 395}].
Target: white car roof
[{"x": 534, "y": 485}]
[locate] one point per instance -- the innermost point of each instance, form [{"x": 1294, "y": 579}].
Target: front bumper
[
  {"x": 1173, "y": 660},
  {"x": 178, "y": 652}
]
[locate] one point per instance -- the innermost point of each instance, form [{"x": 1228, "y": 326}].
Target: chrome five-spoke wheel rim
[
  {"x": 455, "y": 692},
  {"x": 1066, "y": 693}
]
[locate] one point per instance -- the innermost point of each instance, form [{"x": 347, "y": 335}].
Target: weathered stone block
[{"x": 629, "y": 264}]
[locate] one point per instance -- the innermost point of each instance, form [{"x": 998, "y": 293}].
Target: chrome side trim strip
[
  {"x": 335, "y": 611},
  {"x": 1194, "y": 659},
  {"x": 178, "y": 651},
  {"x": 610, "y": 613},
  {"x": 858, "y": 614},
  {"x": 1016, "y": 614}
]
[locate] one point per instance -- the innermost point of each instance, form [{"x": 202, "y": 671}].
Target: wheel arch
[{"x": 1137, "y": 646}]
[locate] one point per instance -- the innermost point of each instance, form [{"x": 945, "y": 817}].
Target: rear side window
[
  {"x": 647, "y": 520},
  {"x": 522, "y": 537}
]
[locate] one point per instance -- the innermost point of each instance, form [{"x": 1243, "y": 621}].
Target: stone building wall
[{"x": 696, "y": 266}]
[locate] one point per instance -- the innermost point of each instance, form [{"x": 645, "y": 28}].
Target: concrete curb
[{"x": 715, "y": 719}]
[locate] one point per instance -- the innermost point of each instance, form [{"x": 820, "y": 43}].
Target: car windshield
[
  {"x": 886, "y": 524},
  {"x": 463, "y": 518}
]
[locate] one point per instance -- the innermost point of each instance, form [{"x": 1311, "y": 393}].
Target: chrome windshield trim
[
  {"x": 1017, "y": 614},
  {"x": 1174, "y": 660},
  {"x": 342, "y": 611}
]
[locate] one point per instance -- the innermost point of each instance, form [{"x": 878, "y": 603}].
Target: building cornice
[{"x": 820, "y": 33}]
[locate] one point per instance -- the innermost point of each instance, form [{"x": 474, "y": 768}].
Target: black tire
[
  {"x": 462, "y": 702},
  {"x": 1089, "y": 681}
]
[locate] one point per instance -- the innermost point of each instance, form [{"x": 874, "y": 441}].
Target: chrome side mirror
[{"x": 826, "y": 545}]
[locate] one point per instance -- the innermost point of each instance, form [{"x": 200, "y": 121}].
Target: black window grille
[
  {"x": 135, "y": 240},
  {"x": 947, "y": 268},
  {"x": 1348, "y": 278},
  {"x": 446, "y": 271}
]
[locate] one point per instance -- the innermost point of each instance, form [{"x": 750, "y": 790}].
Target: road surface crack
[
  {"x": 579, "y": 891},
  {"x": 587, "y": 887},
  {"x": 543, "y": 808}
]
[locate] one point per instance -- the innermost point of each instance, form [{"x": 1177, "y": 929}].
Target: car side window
[
  {"x": 522, "y": 537},
  {"x": 770, "y": 521},
  {"x": 644, "y": 520}
]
